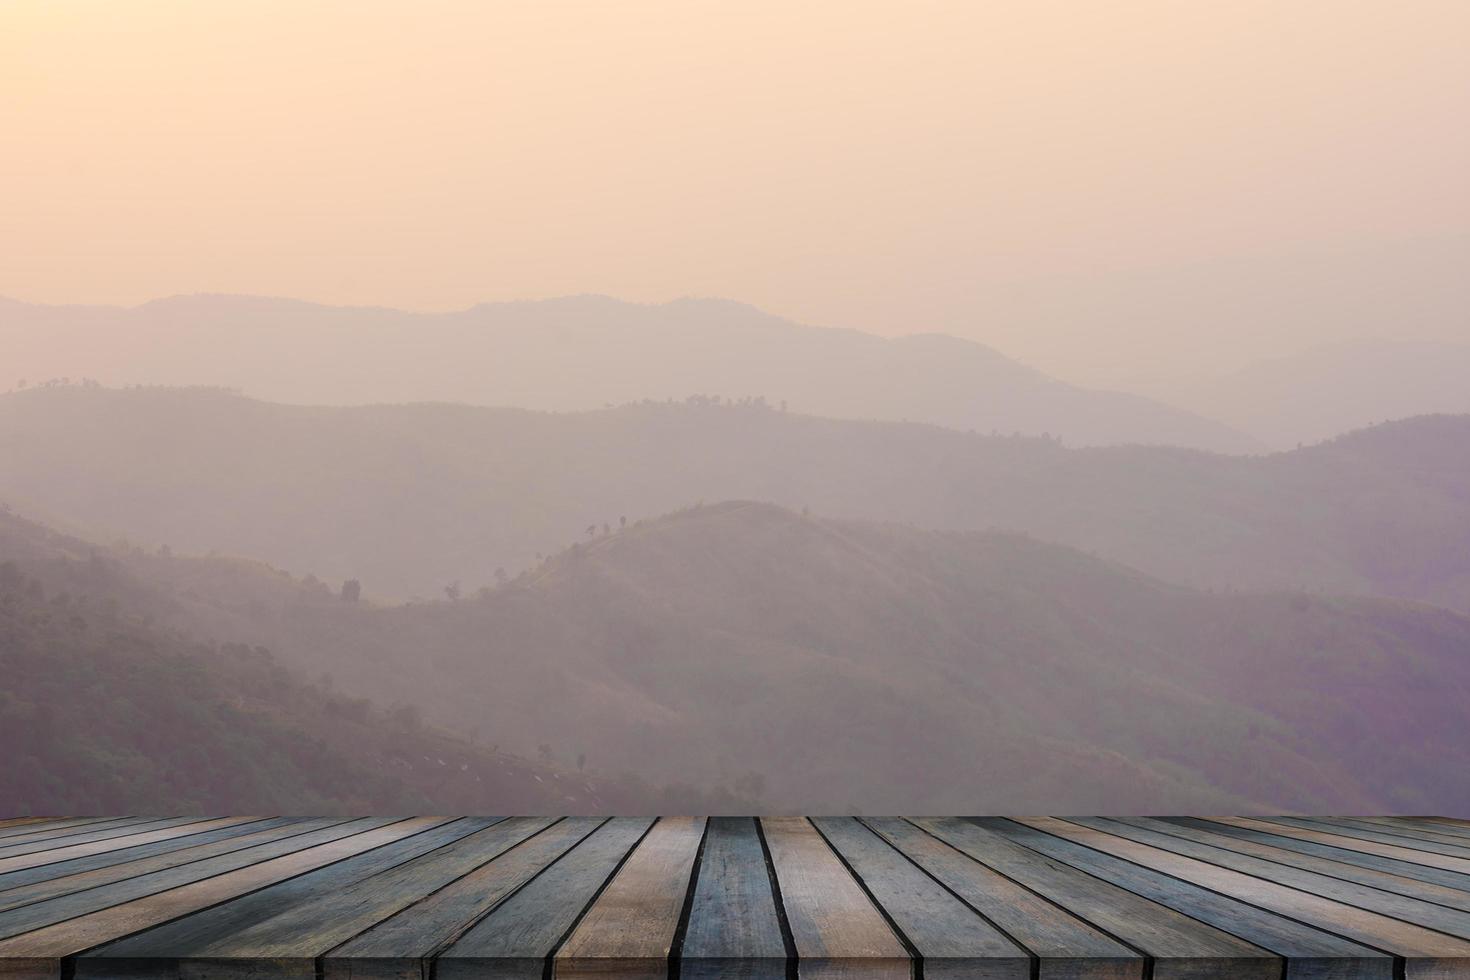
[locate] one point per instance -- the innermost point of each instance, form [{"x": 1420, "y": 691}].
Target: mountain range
[
  {"x": 410, "y": 499},
  {"x": 575, "y": 354},
  {"x": 838, "y": 665}
]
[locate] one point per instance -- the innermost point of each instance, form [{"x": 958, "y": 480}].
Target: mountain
[
  {"x": 409, "y": 499},
  {"x": 881, "y": 667},
  {"x": 106, "y": 709},
  {"x": 577, "y": 353},
  {"x": 1321, "y": 393}
]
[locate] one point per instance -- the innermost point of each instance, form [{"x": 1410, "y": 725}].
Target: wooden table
[{"x": 464, "y": 898}]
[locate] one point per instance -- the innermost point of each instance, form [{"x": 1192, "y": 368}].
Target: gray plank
[
  {"x": 1181, "y": 948},
  {"x": 517, "y": 937},
  {"x": 1409, "y": 833},
  {"x": 197, "y": 937},
  {"x": 73, "y": 875},
  {"x": 40, "y": 953},
  {"x": 103, "y": 841},
  {"x": 630, "y": 929},
  {"x": 1427, "y": 824},
  {"x": 838, "y": 931},
  {"x": 1398, "y": 884},
  {"x": 734, "y": 931},
  {"x": 1066, "y": 948},
  {"x": 1143, "y": 830},
  {"x": 1248, "y": 828},
  {"x": 1428, "y": 953},
  {"x": 397, "y": 948},
  {"x": 38, "y": 915},
  {"x": 1311, "y": 954},
  {"x": 337, "y": 910},
  {"x": 952, "y": 938},
  {"x": 96, "y": 870},
  {"x": 9, "y": 845},
  {"x": 1460, "y": 854},
  {"x": 16, "y": 826}
]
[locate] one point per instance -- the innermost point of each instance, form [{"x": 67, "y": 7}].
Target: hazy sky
[{"x": 1105, "y": 189}]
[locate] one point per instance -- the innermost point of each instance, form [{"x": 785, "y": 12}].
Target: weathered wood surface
[{"x": 735, "y": 898}]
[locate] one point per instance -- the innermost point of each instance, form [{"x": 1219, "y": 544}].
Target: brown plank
[
  {"x": 837, "y": 930},
  {"x": 629, "y": 931},
  {"x": 110, "y": 842},
  {"x": 1066, "y": 947},
  {"x": 1457, "y": 849},
  {"x": 40, "y": 952},
  {"x": 1350, "y": 843},
  {"x": 1461, "y": 834},
  {"x": 1182, "y": 947},
  {"x": 398, "y": 946},
  {"x": 517, "y": 937},
  {"x": 1432, "y": 954},
  {"x": 14, "y": 844}
]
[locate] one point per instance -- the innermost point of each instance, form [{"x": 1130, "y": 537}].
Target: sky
[{"x": 1108, "y": 191}]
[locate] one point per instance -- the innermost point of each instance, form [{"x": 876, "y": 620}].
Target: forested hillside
[
  {"x": 411, "y": 499},
  {"x": 104, "y": 709},
  {"x": 840, "y": 665}
]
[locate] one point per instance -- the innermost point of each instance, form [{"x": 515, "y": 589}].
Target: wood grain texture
[
  {"x": 629, "y": 931},
  {"x": 47, "y": 881},
  {"x": 1181, "y": 947},
  {"x": 1245, "y": 828},
  {"x": 1066, "y": 947},
  {"x": 399, "y": 945},
  {"x": 1432, "y": 954},
  {"x": 836, "y": 928},
  {"x": 1311, "y": 954},
  {"x": 734, "y": 928},
  {"x": 75, "y": 904},
  {"x": 734, "y": 898},
  {"x": 64, "y": 939},
  {"x": 1398, "y": 884},
  {"x": 105, "y": 841},
  {"x": 516, "y": 939}
]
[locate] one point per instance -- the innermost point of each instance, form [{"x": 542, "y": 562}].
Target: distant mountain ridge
[
  {"x": 579, "y": 353},
  {"x": 1325, "y": 391},
  {"x": 411, "y": 498},
  {"x": 853, "y": 665}
]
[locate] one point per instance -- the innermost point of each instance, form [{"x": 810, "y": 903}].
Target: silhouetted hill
[
  {"x": 577, "y": 353},
  {"x": 881, "y": 667},
  {"x": 107, "y": 705},
  {"x": 411, "y": 498},
  {"x": 1326, "y": 391}
]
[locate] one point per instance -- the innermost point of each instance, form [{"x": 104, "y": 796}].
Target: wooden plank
[
  {"x": 1311, "y": 954},
  {"x": 306, "y": 903},
  {"x": 1066, "y": 948},
  {"x": 10, "y": 824},
  {"x": 293, "y": 934},
  {"x": 1354, "y": 843},
  {"x": 1144, "y": 831},
  {"x": 734, "y": 929},
  {"x": 1250, "y": 829},
  {"x": 515, "y": 940},
  {"x": 39, "y": 953},
  {"x": 837, "y": 931},
  {"x": 31, "y": 825},
  {"x": 15, "y": 885},
  {"x": 1461, "y": 834},
  {"x": 113, "y": 841},
  {"x": 1398, "y": 884},
  {"x": 397, "y": 948},
  {"x": 1427, "y": 953},
  {"x": 953, "y": 940},
  {"x": 1357, "y": 833},
  {"x": 9, "y": 845},
  {"x": 37, "y": 915},
  {"x": 629, "y": 931},
  {"x": 1409, "y": 833},
  {"x": 1180, "y": 947}
]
